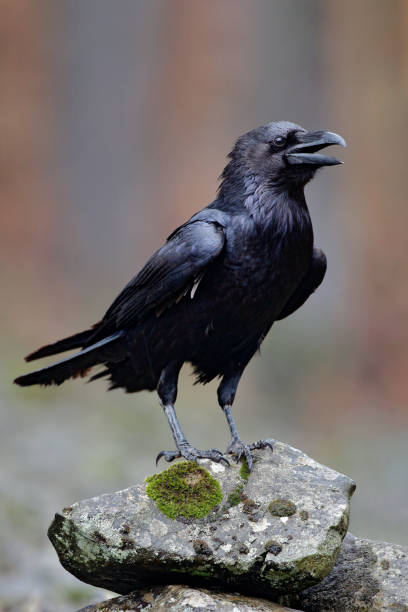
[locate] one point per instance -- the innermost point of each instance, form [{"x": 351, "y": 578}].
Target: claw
[
  {"x": 261, "y": 444},
  {"x": 227, "y": 463},
  {"x": 168, "y": 456},
  {"x": 237, "y": 448},
  {"x": 159, "y": 456},
  {"x": 215, "y": 455},
  {"x": 192, "y": 454}
]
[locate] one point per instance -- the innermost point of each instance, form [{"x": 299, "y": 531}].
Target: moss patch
[
  {"x": 236, "y": 496},
  {"x": 184, "y": 490},
  {"x": 244, "y": 471},
  {"x": 282, "y": 507}
]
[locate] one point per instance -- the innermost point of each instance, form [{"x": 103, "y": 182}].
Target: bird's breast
[
  {"x": 262, "y": 255},
  {"x": 260, "y": 268}
]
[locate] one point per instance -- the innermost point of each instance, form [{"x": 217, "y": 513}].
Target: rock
[
  {"x": 176, "y": 598},
  {"x": 368, "y": 577},
  {"x": 277, "y": 531}
]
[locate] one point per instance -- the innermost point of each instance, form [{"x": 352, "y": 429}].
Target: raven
[{"x": 211, "y": 293}]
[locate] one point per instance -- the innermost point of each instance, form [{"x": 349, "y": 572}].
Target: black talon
[
  {"x": 159, "y": 456},
  {"x": 215, "y": 455},
  {"x": 239, "y": 449},
  {"x": 168, "y": 456},
  {"x": 192, "y": 454},
  {"x": 261, "y": 444}
]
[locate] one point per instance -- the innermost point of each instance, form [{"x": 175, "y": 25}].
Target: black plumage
[{"x": 211, "y": 293}]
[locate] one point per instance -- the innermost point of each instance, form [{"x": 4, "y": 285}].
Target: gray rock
[
  {"x": 176, "y": 598},
  {"x": 368, "y": 577},
  {"x": 279, "y": 531}
]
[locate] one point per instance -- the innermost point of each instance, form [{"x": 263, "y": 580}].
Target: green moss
[
  {"x": 282, "y": 507},
  {"x": 244, "y": 471},
  {"x": 184, "y": 490},
  {"x": 234, "y": 498},
  {"x": 201, "y": 571}
]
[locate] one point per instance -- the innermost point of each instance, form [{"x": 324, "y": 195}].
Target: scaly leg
[
  {"x": 226, "y": 396},
  {"x": 167, "y": 391}
]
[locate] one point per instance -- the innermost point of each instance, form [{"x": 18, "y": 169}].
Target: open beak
[{"x": 305, "y": 151}]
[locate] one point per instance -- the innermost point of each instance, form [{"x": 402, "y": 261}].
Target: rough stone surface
[
  {"x": 368, "y": 577},
  {"x": 122, "y": 542},
  {"x": 176, "y": 598}
]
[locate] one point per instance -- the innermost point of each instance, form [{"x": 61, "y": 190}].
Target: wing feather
[{"x": 170, "y": 273}]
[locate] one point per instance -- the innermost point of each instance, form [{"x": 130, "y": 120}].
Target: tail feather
[
  {"x": 76, "y": 365},
  {"x": 66, "y": 344}
]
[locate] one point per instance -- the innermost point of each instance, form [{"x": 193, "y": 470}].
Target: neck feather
[{"x": 259, "y": 196}]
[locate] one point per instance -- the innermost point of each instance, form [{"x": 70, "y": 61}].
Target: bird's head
[{"x": 284, "y": 153}]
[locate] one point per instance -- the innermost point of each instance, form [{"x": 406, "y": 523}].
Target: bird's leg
[
  {"x": 226, "y": 396},
  {"x": 167, "y": 391}
]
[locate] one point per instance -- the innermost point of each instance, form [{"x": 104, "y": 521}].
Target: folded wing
[{"x": 170, "y": 273}]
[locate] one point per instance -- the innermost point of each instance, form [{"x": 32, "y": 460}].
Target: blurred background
[{"x": 115, "y": 120}]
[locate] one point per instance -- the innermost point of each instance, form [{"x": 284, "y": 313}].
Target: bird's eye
[{"x": 279, "y": 141}]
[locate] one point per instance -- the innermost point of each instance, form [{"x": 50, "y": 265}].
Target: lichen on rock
[
  {"x": 282, "y": 507},
  {"x": 184, "y": 490},
  {"x": 236, "y": 496}
]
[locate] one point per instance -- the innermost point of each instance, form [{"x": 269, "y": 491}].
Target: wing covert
[{"x": 169, "y": 274}]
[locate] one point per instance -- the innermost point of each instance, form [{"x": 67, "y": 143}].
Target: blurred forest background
[{"x": 115, "y": 120}]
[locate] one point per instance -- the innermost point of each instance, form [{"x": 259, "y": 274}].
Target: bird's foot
[
  {"x": 239, "y": 449},
  {"x": 192, "y": 454}
]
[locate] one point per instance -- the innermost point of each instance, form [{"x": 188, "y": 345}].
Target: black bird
[{"x": 211, "y": 293}]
